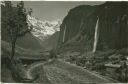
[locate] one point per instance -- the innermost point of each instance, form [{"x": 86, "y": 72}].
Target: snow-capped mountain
[{"x": 43, "y": 29}]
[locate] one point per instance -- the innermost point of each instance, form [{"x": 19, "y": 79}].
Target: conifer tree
[{"x": 14, "y": 20}]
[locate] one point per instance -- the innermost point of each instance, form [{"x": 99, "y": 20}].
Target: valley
[{"x": 89, "y": 45}]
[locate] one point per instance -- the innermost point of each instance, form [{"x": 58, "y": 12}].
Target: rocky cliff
[{"x": 102, "y": 27}]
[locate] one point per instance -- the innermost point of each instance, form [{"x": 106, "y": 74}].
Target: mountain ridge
[{"x": 43, "y": 29}]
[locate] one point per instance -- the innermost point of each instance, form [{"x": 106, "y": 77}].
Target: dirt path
[
  {"x": 59, "y": 72},
  {"x": 33, "y": 66}
]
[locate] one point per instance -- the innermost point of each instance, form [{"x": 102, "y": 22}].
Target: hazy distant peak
[{"x": 43, "y": 28}]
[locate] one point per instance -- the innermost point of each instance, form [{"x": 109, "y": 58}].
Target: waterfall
[
  {"x": 96, "y": 36},
  {"x": 81, "y": 24},
  {"x": 64, "y": 33}
]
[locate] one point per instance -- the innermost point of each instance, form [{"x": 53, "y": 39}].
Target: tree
[
  {"x": 14, "y": 20},
  {"x": 14, "y": 25}
]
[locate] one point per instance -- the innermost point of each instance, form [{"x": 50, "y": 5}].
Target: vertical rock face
[
  {"x": 75, "y": 20},
  {"x": 79, "y": 26},
  {"x": 113, "y": 19},
  {"x": 112, "y": 29}
]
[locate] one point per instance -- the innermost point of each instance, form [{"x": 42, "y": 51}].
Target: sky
[{"x": 54, "y": 10}]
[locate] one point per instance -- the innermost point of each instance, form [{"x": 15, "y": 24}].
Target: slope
[{"x": 51, "y": 42}]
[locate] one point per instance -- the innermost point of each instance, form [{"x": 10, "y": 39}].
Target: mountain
[
  {"x": 43, "y": 29},
  {"x": 93, "y": 36},
  {"x": 22, "y": 53},
  {"x": 77, "y": 29},
  {"x": 113, "y": 25},
  {"x": 51, "y": 42},
  {"x": 102, "y": 27},
  {"x": 29, "y": 41}
]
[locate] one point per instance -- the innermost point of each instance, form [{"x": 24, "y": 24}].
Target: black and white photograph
[{"x": 64, "y": 42}]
